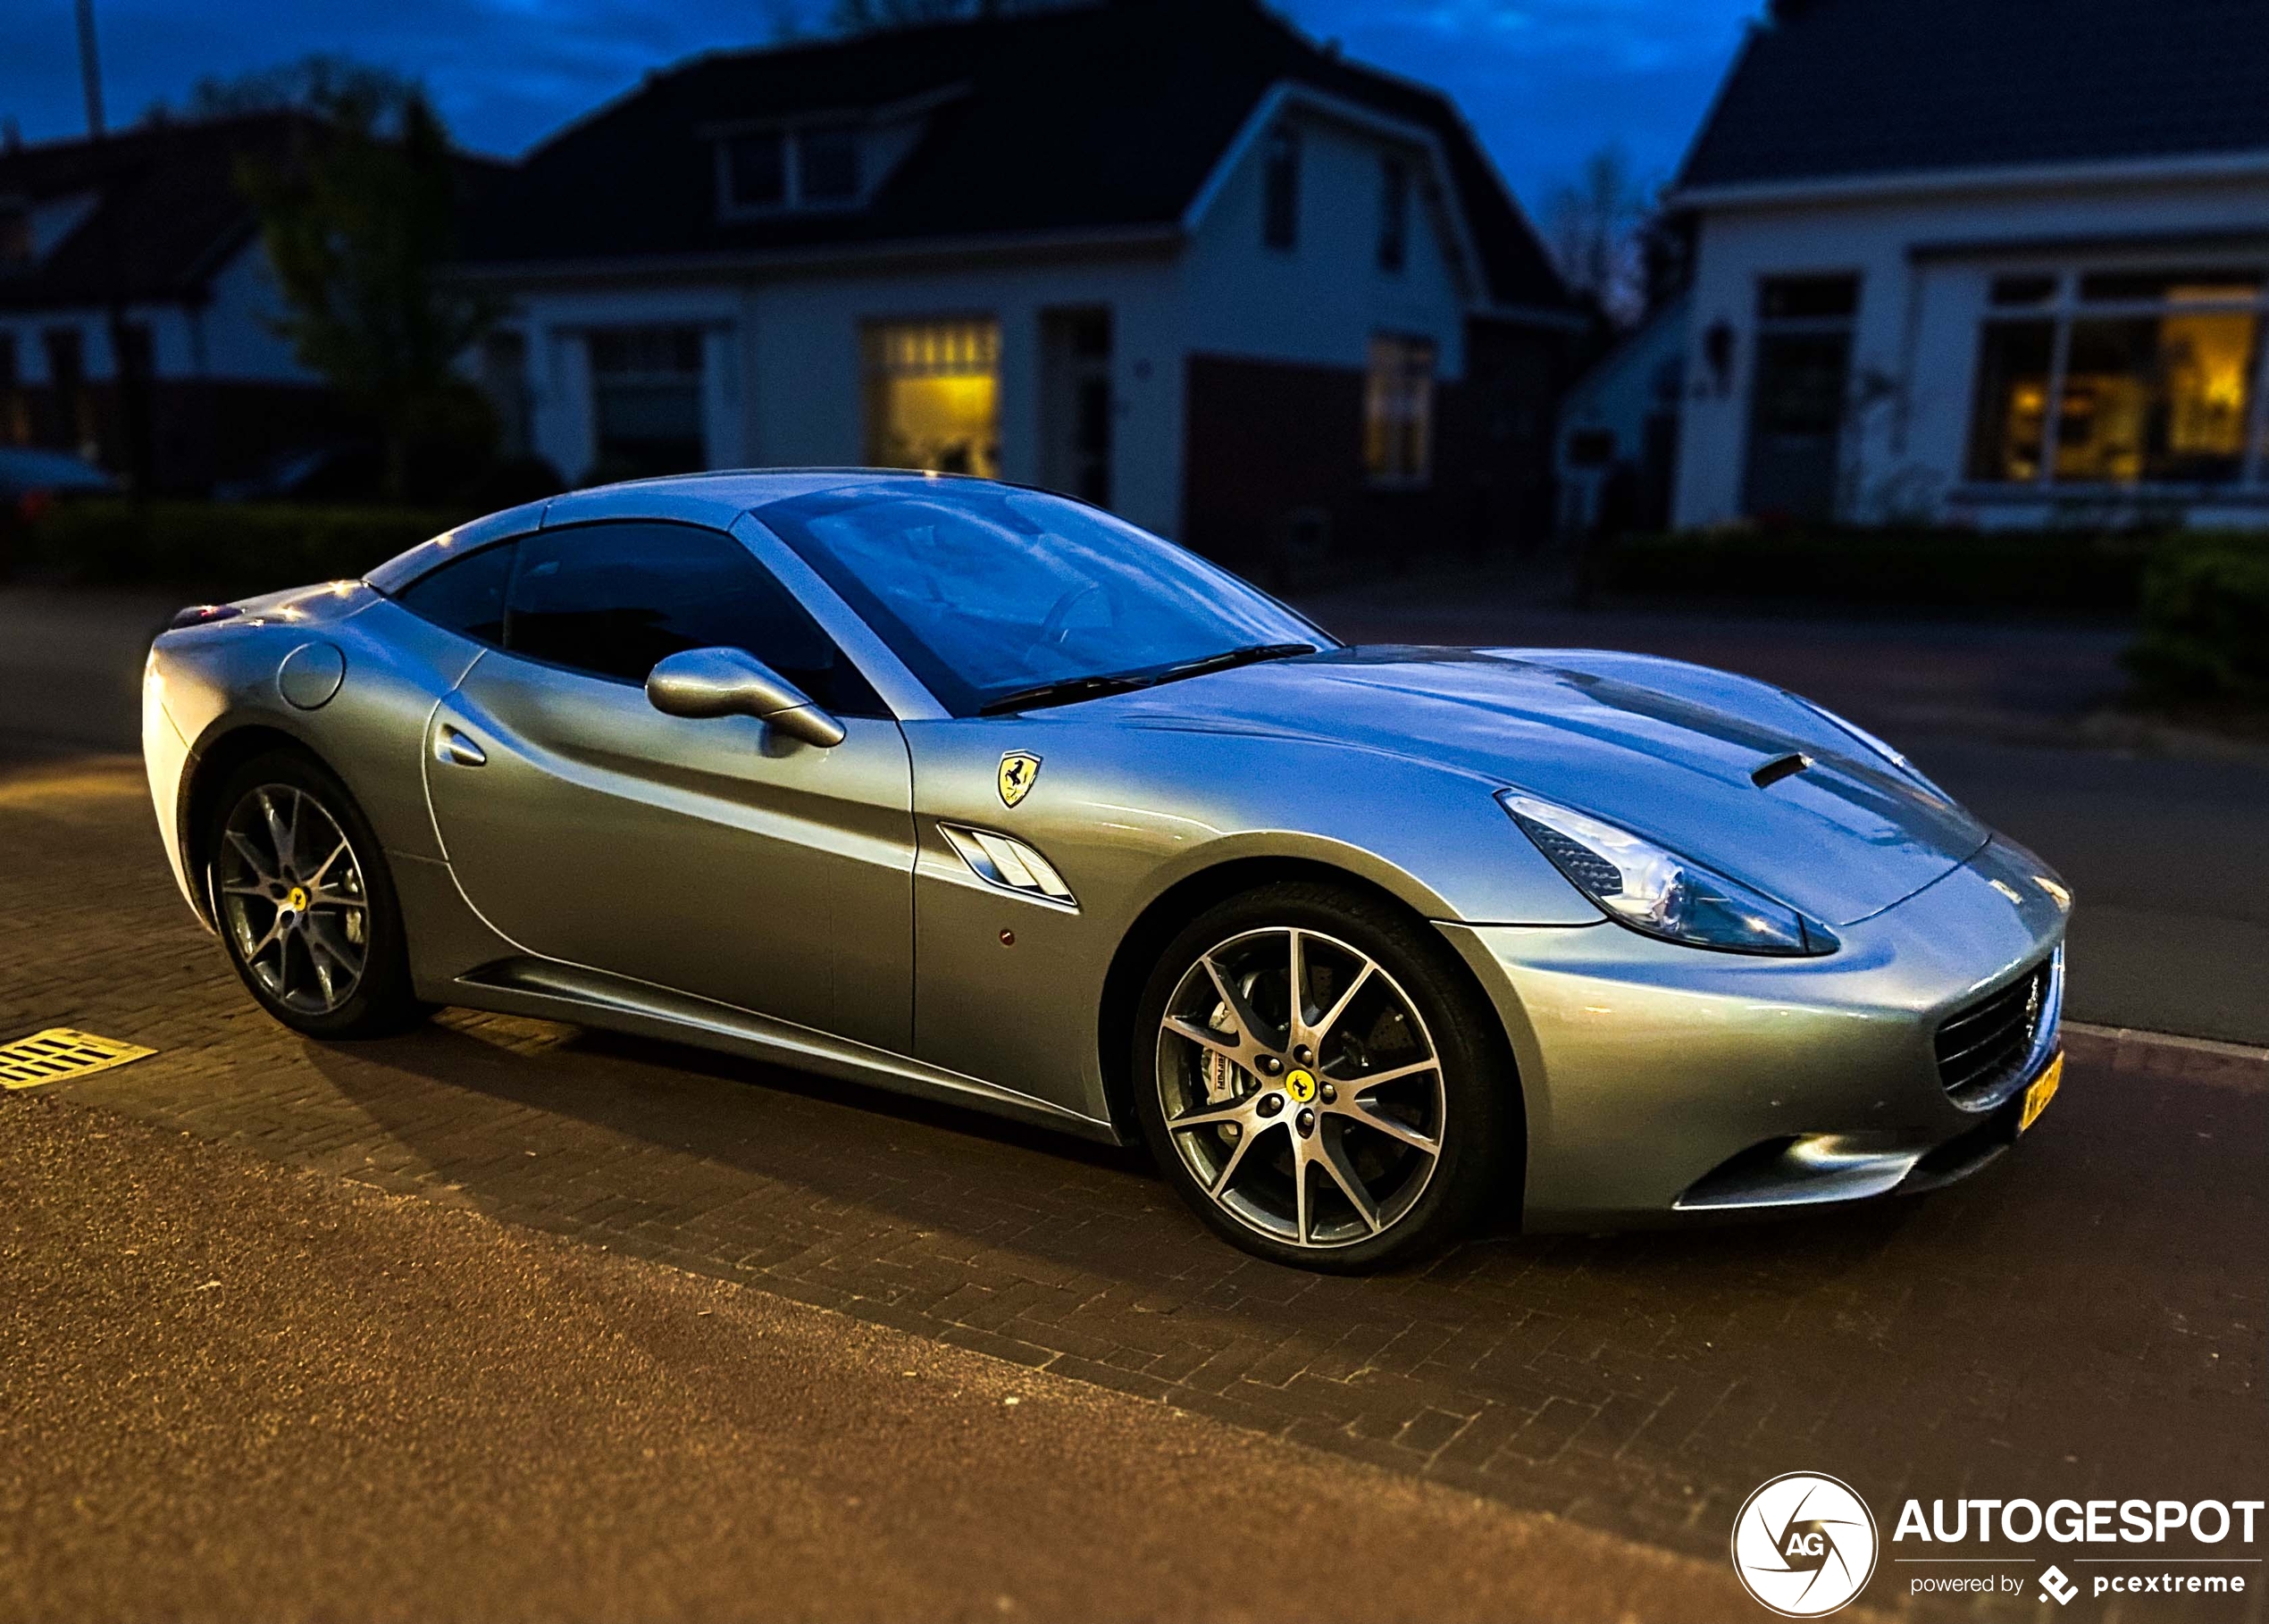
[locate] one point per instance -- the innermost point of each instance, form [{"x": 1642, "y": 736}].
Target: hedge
[
  {"x": 214, "y": 550},
  {"x": 2060, "y": 572},
  {"x": 2206, "y": 622}
]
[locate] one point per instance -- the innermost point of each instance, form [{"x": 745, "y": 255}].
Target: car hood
[{"x": 1662, "y": 748}]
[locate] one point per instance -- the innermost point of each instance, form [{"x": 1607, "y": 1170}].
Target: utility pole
[
  {"x": 129, "y": 392},
  {"x": 91, "y": 68}
]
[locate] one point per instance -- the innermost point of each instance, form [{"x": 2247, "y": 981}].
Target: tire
[
  {"x": 304, "y": 902},
  {"x": 1395, "y": 1169}
]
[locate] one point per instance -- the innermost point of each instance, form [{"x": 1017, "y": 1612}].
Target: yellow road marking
[{"x": 59, "y": 1054}]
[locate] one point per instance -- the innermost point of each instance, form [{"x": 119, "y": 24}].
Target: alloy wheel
[
  {"x": 292, "y": 899},
  {"x": 1301, "y": 1087}
]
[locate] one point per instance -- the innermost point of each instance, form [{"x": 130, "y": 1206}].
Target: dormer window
[
  {"x": 827, "y": 165},
  {"x": 757, "y": 170},
  {"x": 808, "y": 166}
]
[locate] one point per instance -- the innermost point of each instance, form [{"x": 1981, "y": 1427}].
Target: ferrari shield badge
[{"x": 1020, "y": 771}]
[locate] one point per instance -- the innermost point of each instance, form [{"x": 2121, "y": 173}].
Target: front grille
[{"x": 1981, "y": 1046}]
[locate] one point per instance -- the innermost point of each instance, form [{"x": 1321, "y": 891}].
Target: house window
[
  {"x": 2153, "y": 376},
  {"x": 934, "y": 396},
  {"x": 1280, "y": 190},
  {"x": 15, "y": 236},
  {"x": 646, "y": 402},
  {"x": 804, "y": 167},
  {"x": 827, "y": 165},
  {"x": 74, "y": 407},
  {"x": 15, "y": 418},
  {"x": 757, "y": 169},
  {"x": 504, "y": 379},
  {"x": 1398, "y": 410},
  {"x": 2010, "y": 415},
  {"x": 1393, "y": 213}
]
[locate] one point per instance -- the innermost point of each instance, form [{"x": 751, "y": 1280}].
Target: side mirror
[{"x": 728, "y": 683}]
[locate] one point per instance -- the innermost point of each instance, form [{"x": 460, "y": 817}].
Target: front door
[
  {"x": 713, "y": 856},
  {"x": 1796, "y": 425}
]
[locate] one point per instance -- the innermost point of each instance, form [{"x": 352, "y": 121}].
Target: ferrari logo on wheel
[{"x": 1020, "y": 771}]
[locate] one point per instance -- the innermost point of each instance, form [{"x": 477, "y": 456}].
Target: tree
[
  {"x": 311, "y": 85},
  {"x": 357, "y": 223},
  {"x": 1598, "y": 224}
]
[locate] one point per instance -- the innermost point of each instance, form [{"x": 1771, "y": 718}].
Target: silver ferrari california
[{"x": 981, "y": 794}]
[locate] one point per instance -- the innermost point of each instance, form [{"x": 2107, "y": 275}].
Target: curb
[{"x": 2164, "y": 1054}]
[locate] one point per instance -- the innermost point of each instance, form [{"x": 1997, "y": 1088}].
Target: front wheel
[
  {"x": 305, "y": 903},
  {"x": 1321, "y": 1084}
]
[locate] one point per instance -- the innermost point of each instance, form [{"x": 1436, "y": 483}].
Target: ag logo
[
  {"x": 1300, "y": 1082},
  {"x": 1020, "y": 771},
  {"x": 1804, "y": 1545}
]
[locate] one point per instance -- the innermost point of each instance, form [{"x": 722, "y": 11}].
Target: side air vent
[{"x": 1009, "y": 864}]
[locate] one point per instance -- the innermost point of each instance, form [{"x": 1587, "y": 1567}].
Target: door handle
[{"x": 454, "y": 749}]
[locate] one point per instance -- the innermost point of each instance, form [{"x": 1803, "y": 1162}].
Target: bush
[
  {"x": 2060, "y": 572},
  {"x": 216, "y": 549},
  {"x": 2206, "y": 622}
]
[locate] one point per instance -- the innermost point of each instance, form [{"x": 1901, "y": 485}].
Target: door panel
[{"x": 712, "y": 857}]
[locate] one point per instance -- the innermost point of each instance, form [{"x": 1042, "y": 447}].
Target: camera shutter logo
[{"x": 1804, "y": 1544}]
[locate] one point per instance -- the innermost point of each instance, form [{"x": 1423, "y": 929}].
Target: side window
[
  {"x": 465, "y": 595},
  {"x": 613, "y": 599}
]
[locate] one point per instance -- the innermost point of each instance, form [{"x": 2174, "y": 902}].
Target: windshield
[{"x": 990, "y": 593}]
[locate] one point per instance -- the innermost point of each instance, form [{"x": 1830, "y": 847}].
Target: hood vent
[{"x": 1779, "y": 768}]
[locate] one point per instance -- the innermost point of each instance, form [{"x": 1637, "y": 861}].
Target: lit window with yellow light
[
  {"x": 2152, "y": 374},
  {"x": 934, "y": 396}
]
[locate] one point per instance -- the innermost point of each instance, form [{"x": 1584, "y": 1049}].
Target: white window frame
[
  {"x": 2064, "y": 307},
  {"x": 791, "y": 183}
]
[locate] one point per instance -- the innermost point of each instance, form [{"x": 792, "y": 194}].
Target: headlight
[{"x": 1657, "y": 892}]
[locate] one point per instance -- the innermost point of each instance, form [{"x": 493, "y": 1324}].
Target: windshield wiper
[
  {"x": 1251, "y": 655},
  {"x": 1070, "y": 691}
]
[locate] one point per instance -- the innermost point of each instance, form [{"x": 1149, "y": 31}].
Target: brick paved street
[{"x": 2085, "y": 1318}]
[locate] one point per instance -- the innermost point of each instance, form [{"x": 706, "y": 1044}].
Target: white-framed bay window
[{"x": 2097, "y": 377}]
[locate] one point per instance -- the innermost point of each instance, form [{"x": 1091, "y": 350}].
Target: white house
[
  {"x": 1165, "y": 253},
  {"x": 1993, "y": 261},
  {"x": 1619, "y": 428}
]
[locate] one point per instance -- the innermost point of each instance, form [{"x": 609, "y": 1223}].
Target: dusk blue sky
[{"x": 1545, "y": 82}]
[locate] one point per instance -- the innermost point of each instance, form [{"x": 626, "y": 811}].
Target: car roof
[{"x": 716, "y": 499}]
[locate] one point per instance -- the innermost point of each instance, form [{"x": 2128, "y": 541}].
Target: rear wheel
[
  {"x": 1320, "y": 1082},
  {"x": 305, "y": 903}
]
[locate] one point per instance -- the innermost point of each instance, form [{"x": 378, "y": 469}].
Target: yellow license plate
[{"x": 2042, "y": 1090}]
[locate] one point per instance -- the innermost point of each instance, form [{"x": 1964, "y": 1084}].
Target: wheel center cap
[
  {"x": 297, "y": 901},
  {"x": 1300, "y": 1082}
]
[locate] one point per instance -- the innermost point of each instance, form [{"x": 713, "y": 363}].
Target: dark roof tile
[
  {"x": 1080, "y": 118},
  {"x": 1836, "y": 88}
]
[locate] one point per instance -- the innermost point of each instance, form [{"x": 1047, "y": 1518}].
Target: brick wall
[{"x": 1273, "y": 480}]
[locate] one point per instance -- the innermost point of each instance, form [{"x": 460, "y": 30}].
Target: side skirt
[{"x": 550, "y": 991}]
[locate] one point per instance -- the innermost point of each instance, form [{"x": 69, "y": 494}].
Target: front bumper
[{"x": 1662, "y": 1082}]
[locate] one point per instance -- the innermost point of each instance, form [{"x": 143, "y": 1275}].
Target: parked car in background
[{"x": 31, "y": 478}]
